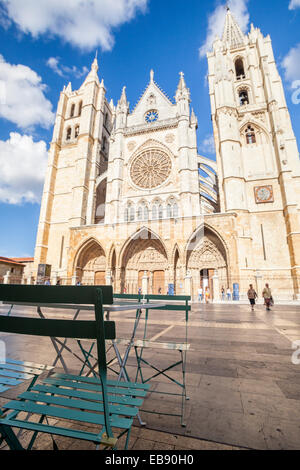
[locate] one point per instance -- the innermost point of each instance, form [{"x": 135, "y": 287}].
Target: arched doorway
[
  {"x": 144, "y": 255},
  {"x": 207, "y": 258},
  {"x": 91, "y": 265}
]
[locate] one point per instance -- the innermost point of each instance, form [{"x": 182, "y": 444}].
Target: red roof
[
  {"x": 23, "y": 260},
  {"x": 10, "y": 261}
]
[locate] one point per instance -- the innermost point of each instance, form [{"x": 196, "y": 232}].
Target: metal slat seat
[{"x": 14, "y": 373}]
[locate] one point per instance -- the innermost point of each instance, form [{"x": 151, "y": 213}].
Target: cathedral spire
[
  {"x": 123, "y": 99},
  {"x": 93, "y": 75},
  {"x": 182, "y": 84},
  {"x": 232, "y": 35},
  {"x": 183, "y": 92}
]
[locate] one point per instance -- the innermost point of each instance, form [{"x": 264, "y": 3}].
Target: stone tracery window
[
  {"x": 150, "y": 169},
  {"x": 69, "y": 133},
  {"x": 72, "y": 112},
  {"x": 172, "y": 209},
  {"x": 240, "y": 69},
  {"x": 244, "y": 97},
  {"x": 250, "y": 135}
]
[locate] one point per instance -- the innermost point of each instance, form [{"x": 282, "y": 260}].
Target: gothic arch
[
  {"x": 207, "y": 259},
  {"x": 142, "y": 233},
  {"x": 90, "y": 260},
  {"x": 148, "y": 145},
  {"x": 173, "y": 254},
  {"x": 199, "y": 235},
  {"x": 143, "y": 253},
  {"x": 110, "y": 254},
  {"x": 257, "y": 124}
]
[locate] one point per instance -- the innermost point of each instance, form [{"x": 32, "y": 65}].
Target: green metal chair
[
  {"x": 110, "y": 405},
  {"x": 173, "y": 303}
]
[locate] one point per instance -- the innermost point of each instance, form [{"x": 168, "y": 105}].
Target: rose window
[
  {"x": 150, "y": 169},
  {"x": 151, "y": 116}
]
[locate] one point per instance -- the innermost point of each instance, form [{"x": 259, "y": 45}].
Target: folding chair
[{"x": 110, "y": 405}]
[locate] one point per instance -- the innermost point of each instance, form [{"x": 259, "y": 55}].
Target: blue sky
[{"x": 44, "y": 45}]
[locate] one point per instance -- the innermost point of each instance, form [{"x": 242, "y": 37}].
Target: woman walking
[
  {"x": 252, "y": 295},
  {"x": 267, "y": 295},
  {"x": 207, "y": 295}
]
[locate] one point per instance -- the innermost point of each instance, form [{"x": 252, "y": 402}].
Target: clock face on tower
[
  {"x": 264, "y": 194},
  {"x": 151, "y": 116}
]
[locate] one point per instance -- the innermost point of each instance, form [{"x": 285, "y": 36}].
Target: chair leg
[
  {"x": 10, "y": 438},
  {"x": 127, "y": 439}
]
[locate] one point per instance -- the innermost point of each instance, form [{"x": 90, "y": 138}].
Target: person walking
[
  {"x": 267, "y": 295},
  {"x": 200, "y": 294},
  {"x": 207, "y": 295},
  {"x": 223, "y": 294},
  {"x": 228, "y": 294},
  {"x": 252, "y": 295}
]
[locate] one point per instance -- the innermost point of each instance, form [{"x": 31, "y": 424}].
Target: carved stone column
[
  {"x": 145, "y": 284},
  {"x": 216, "y": 287},
  {"x": 188, "y": 285}
]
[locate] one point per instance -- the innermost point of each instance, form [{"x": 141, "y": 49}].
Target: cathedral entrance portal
[
  {"x": 206, "y": 258},
  {"x": 91, "y": 265},
  {"x": 144, "y": 256}
]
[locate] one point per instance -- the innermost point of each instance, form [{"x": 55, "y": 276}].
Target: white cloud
[
  {"x": 216, "y": 22},
  {"x": 291, "y": 64},
  {"x": 22, "y": 97},
  {"x": 294, "y": 4},
  {"x": 23, "y": 164},
  {"x": 63, "y": 70},
  {"x": 208, "y": 145},
  {"x": 85, "y": 24}
]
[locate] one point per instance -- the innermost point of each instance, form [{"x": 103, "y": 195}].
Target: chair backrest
[
  {"x": 97, "y": 329},
  {"x": 174, "y": 300}
]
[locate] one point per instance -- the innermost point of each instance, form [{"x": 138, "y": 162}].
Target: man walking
[
  {"x": 267, "y": 295},
  {"x": 252, "y": 295},
  {"x": 200, "y": 294}
]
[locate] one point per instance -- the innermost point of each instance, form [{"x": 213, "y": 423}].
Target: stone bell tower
[
  {"x": 257, "y": 153},
  {"x": 77, "y": 162}
]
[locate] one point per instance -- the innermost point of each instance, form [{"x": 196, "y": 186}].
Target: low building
[
  {"x": 11, "y": 271},
  {"x": 28, "y": 276}
]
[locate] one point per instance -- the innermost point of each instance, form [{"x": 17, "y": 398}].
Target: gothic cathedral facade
[{"x": 128, "y": 200}]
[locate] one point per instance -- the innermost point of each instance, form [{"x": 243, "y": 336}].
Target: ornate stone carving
[
  {"x": 151, "y": 100},
  {"x": 170, "y": 138},
  {"x": 131, "y": 145},
  {"x": 206, "y": 255}
]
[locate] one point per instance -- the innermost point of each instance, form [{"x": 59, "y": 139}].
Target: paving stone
[{"x": 243, "y": 387}]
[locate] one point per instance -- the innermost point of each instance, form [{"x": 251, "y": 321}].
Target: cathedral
[{"x": 129, "y": 202}]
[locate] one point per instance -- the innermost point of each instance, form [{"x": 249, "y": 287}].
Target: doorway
[
  {"x": 158, "y": 286},
  {"x": 206, "y": 280},
  {"x": 100, "y": 278}
]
